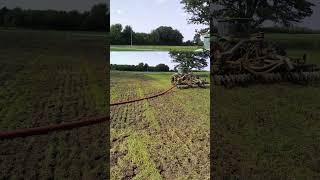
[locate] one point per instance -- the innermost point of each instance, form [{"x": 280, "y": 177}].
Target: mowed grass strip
[{"x": 139, "y": 154}]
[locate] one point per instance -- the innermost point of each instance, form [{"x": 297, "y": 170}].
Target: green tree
[
  {"x": 188, "y": 43},
  {"x": 165, "y": 35},
  {"x": 126, "y": 35},
  {"x": 197, "y": 39},
  {"x": 190, "y": 60},
  {"x": 162, "y": 68},
  {"x": 13, "y": 18},
  {"x": 146, "y": 67},
  {"x": 199, "y": 9},
  {"x": 142, "y": 39},
  {"x": 97, "y": 19},
  {"x": 115, "y": 33},
  {"x": 3, "y": 11},
  {"x": 140, "y": 67},
  {"x": 282, "y": 12}
]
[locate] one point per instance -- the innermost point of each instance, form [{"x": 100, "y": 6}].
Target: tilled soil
[
  {"x": 183, "y": 148},
  {"x": 174, "y": 137},
  {"x": 49, "y": 80}
]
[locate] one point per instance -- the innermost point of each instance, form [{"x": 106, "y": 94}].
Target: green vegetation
[
  {"x": 270, "y": 131},
  {"x": 94, "y": 20},
  {"x": 163, "y": 35},
  {"x": 162, "y": 138},
  {"x": 49, "y": 77},
  {"x": 292, "y": 11},
  {"x": 190, "y": 60},
  {"x": 153, "y": 48},
  {"x": 140, "y": 67},
  {"x": 296, "y": 41}
]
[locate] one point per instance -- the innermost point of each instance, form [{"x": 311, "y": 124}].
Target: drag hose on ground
[{"x": 19, "y": 133}]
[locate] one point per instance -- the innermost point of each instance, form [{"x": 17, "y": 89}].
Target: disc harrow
[
  {"x": 245, "y": 79},
  {"x": 188, "y": 80},
  {"x": 239, "y": 57}
]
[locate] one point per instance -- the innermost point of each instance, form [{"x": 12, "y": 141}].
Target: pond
[{"x": 152, "y": 58}]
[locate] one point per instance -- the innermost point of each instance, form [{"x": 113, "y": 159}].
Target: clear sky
[{"x": 146, "y": 15}]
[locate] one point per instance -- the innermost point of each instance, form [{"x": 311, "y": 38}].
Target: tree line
[
  {"x": 140, "y": 67},
  {"x": 97, "y": 19},
  {"x": 163, "y": 35}
]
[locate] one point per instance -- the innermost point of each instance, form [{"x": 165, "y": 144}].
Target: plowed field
[{"x": 48, "y": 78}]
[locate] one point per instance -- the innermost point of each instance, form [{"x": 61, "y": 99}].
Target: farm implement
[
  {"x": 185, "y": 79},
  {"x": 240, "y": 57}
]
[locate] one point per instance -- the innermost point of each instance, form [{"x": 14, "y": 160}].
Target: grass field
[
  {"x": 269, "y": 131},
  {"x": 296, "y": 41},
  {"x": 163, "y": 138},
  {"x": 152, "y": 48},
  {"x": 264, "y": 131},
  {"x": 49, "y": 77}
]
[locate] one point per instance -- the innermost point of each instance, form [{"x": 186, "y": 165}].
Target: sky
[{"x": 146, "y": 15}]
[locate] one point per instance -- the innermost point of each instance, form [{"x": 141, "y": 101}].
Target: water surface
[{"x": 152, "y": 58}]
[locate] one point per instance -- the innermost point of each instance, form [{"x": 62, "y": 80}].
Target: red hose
[
  {"x": 46, "y": 129},
  {"x": 70, "y": 125},
  {"x": 141, "y": 99}
]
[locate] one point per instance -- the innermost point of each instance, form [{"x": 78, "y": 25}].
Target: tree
[
  {"x": 200, "y": 10},
  {"x": 115, "y": 33},
  {"x": 162, "y": 68},
  {"x": 188, "y": 43},
  {"x": 126, "y": 35},
  {"x": 3, "y": 11},
  {"x": 97, "y": 19},
  {"x": 165, "y": 35},
  {"x": 197, "y": 39},
  {"x": 282, "y": 12},
  {"x": 189, "y": 59},
  {"x": 146, "y": 67},
  {"x": 142, "y": 39},
  {"x": 140, "y": 67}
]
